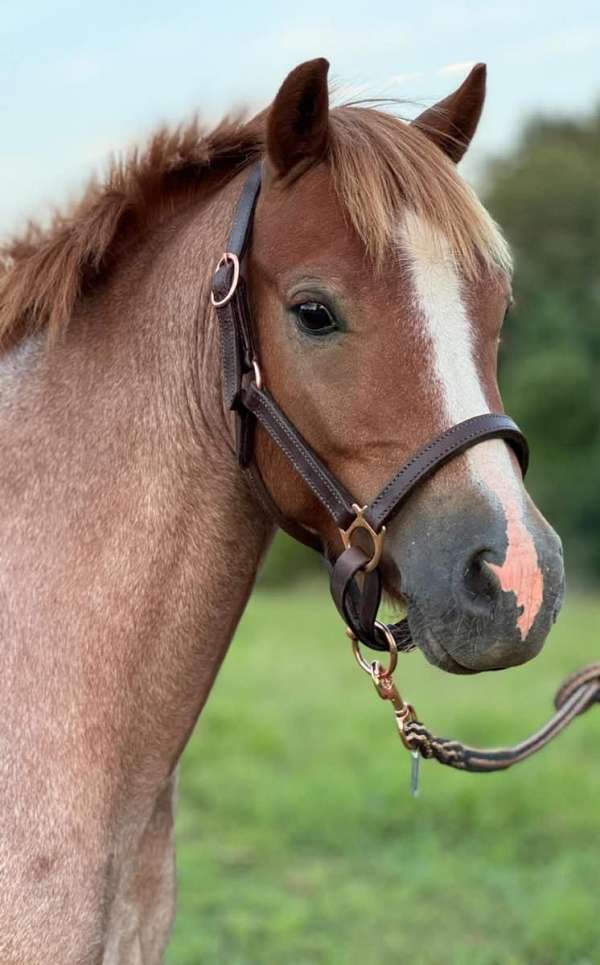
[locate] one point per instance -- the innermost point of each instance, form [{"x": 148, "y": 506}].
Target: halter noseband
[{"x": 355, "y": 576}]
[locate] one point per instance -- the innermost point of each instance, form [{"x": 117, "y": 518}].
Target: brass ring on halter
[
  {"x": 360, "y": 523},
  {"x": 367, "y": 665},
  {"x": 227, "y": 258}
]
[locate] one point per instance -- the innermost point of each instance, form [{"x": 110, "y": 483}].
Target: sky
[{"x": 79, "y": 81}]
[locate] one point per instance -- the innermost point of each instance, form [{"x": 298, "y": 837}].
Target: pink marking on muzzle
[{"x": 520, "y": 573}]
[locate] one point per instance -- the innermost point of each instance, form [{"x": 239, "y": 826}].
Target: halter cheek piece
[{"x": 356, "y": 583}]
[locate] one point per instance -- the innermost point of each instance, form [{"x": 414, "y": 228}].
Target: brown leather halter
[{"x": 356, "y": 583}]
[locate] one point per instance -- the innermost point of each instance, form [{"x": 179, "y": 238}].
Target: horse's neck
[{"x": 130, "y": 543}]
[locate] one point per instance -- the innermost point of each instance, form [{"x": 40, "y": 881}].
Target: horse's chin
[
  {"x": 425, "y": 640},
  {"x": 433, "y": 650},
  {"x": 422, "y": 636}
]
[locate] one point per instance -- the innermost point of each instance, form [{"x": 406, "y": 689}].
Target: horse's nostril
[{"x": 480, "y": 583}]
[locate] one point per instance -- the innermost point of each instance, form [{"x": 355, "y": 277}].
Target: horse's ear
[
  {"x": 452, "y": 122},
  {"x": 298, "y": 121}
]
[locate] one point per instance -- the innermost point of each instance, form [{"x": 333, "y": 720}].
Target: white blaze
[{"x": 438, "y": 297}]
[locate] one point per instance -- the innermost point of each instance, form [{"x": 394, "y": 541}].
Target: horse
[{"x": 131, "y": 538}]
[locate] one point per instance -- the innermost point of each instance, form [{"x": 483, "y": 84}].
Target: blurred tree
[{"x": 546, "y": 196}]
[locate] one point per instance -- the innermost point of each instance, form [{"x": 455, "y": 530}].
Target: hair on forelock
[{"x": 380, "y": 166}]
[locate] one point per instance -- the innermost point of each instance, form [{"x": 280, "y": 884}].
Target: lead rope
[{"x": 577, "y": 693}]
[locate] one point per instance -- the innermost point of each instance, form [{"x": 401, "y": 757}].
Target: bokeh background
[{"x": 298, "y": 841}]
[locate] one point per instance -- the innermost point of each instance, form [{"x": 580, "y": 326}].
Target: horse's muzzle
[{"x": 475, "y": 602}]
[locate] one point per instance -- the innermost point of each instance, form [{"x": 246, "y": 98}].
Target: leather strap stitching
[
  {"x": 487, "y": 425},
  {"x": 295, "y": 446}
]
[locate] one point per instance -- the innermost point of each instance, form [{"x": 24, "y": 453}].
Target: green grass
[{"x": 299, "y": 843}]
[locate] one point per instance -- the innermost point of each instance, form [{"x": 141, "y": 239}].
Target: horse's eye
[{"x": 315, "y": 319}]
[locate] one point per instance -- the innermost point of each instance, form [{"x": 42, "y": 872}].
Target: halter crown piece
[{"x": 355, "y": 576}]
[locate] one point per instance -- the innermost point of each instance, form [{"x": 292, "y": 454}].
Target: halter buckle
[
  {"x": 358, "y": 523},
  {"x": 227, "y": 258}
]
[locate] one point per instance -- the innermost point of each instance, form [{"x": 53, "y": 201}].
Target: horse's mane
[{"x": 379, "y": 164}]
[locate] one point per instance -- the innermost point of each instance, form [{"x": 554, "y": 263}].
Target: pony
[{"x": 130, "y": 537}]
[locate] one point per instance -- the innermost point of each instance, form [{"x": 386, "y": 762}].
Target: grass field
[{"x": 299, "y": 843}]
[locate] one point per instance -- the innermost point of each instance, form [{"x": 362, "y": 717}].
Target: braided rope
[{"x": 575, "y": 695}]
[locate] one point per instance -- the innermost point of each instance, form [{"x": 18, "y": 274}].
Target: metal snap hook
[{"x": 369, "y": 666}]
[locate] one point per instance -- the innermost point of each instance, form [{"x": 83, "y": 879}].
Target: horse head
[{"x": 379, "y": 286}]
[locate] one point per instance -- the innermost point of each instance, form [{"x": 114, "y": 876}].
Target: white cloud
[
  {"x": 461, "y": 68},
  {"x": 401, "y": 80},
  {"x": 334, "y": 40},
  {"x": 76, "y": 70},
  {"x": 449, "y": 17},
  {"x": 563, "y": 43}
]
